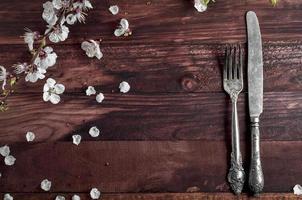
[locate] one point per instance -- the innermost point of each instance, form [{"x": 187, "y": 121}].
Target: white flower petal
[
  {"x": 4, "y": 151},
  {"x": 59, "y": 88},
  {"x": 59, "y": 197},
  {"x": 54, "y": 98},
  {"x": 7, "y": 197},
  {"x": 100, "y": 97},
  {"x": 119, "y": 32},
  {"x": 76, "y": 197},
  {"x": 9, "y": 160},
  {"x": 46, "y": 185},
  {"x": 90, "y": 91},
  {"x": 200, "y": 5},
  {"x": 71, "y": 19},
  {"x": 95, "y": 193},
  {"x": 124, "y": 24},
  {"x": 76, "y": 139},
  {"x": 46, "y": 96},
  {"x": 298, "y": 190},
  {"x": 57, "y": 4},
  {"x": 30, "y": 136},
  {"x": 114, "y": 9},
  {"x": 51, "y": 82},
  {"x": 94, "y": 131},
  {"x": 124, "y": 87}
]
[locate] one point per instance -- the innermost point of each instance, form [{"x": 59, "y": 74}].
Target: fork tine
[
  {"x": 230, "y": 64},
  {"x": 235, "y": 66},
  {"x": 240, "y": 65}
]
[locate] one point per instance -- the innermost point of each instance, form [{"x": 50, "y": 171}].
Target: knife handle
[{"x": 256, "y": 180}]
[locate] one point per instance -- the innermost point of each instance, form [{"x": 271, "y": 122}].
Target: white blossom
[
  {"x": 52, "y": 90},
  {"x": 30, "y": 136},
  {"x": 200, "y": 5},
  {"x": 76, "y": 139},
  {"x": 4, "y": 150},
  {"x": 3, "y": 76},
  {"x": 46, "y": 185},
  {"x": 90, "y": 91},
  {"x": 74, "y": 17},
  {"x": 83, "y": 4},
  {"x": 59, "y": 197},
  {"x": 76, "y": 197},
  {"x": 33, "y": 76},
  {"x": 114, "y": 9},
  {"x": 94, "y": 131},
  {"x": 19, "y": 68},
  {"x": 58, "y": 4},
  {"x": 92, "y": 49},
  {"x": 124, "y": 87},
  {"x": 298, "y": 190},
  {"x": 8, "y": 197},
  {"x": 49, "y": 13},
  {"x": 30, "y": 37},
  {"x": 95, "y": 193},
  {"x": 100, "y": 97},
  {"x": 59, "y": 33},
  {"x": 47, "y": 58},
  {"x": 123, "y": 28},
  {"x": 9, "y": 160}
]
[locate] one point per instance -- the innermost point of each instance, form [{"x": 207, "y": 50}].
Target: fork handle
[
  {"x": 236, "y": 175},
  {"x": 256, "y": 180}
]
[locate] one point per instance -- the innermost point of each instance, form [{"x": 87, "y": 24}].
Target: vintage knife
[{"x": 255, "y": 95}]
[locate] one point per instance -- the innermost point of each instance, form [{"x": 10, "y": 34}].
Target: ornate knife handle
[
  {"x": 256, "y": 180},
  {"x": 236, "y": 176}
]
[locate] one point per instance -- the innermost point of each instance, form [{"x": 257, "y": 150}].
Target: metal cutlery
[
  {"x": 233, "y": 84},
  {"x": 255, "y": 96}
]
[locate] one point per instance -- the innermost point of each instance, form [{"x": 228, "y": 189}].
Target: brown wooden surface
[
  {"x": 161, "y": 196},
  {"x": 176, "y": 107}
]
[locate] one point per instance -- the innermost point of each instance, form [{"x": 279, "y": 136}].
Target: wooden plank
[
  {"x": 148, "y": 117},
  {"x": 162, "y": 196},
  {"x": 135, "y": 166},
  {"x": 176, "y": 21},
  {"x": 159, "y": 68}
]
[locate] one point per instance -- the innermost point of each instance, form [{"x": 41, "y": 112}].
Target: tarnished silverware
[
  {"x": 255, "y": 94},
  {"x": 233, "y": 84}
]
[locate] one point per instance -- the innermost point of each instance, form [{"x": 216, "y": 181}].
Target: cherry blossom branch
[{"x": 56, "y": 13}]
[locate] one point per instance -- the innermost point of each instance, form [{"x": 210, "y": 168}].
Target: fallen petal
[
  {"x": 124, "y": 87},
  {"x": 4, "y": 150},
  {"x": 90, "y": 91},
  {"x": 114, "y": 9},
  {"x": 298, "y": 190},
  {"x": 100, "y": 97},
  {"x": 94, "y": 131},
  {"x": 95, "y": 193},
  {"x": 59, "y": 197},
  {"x": 9, "y": 160},
  {"x": 7, "y": 197},
  {"x": 46, "y": 185},
  {"x": 76, "y": 197},
  {"x": 30, "y": 136},
  {"x": 76, "y": 139}
]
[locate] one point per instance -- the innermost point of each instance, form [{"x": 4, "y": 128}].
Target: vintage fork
[{"x": 233, "y": 84}]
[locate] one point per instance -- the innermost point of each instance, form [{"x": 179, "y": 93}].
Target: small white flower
[
  {"x": 200, "y": 5},
  {"x": 76, "y": 139},
  {"x": 59, "y": 34},
  {"x": 46, "y": 185},
  {"x": 124, "y": 87},
  {"x": 100, "y": 97},
  {"x": 298, "y": 190},
  {"x": 3, "y": 76},
  {"x": 114, "y": 9},
  {"x": 94, "y": 131},
  {"x": 52, "y": 90},
  {"x": 33, "y": 76},
  {"x": 123, "y": 28},
  {"x": 30, "y": 136},
  {"x": 7, "y": 197},
  {"x": 83, "y": 4},
  {"x": 49, "y": 13},
  {"x": 9, "y": 160},
  {"x": 59, "y": 197},
  {"x": 4, "y": 151},
  {"x": 19, "y": 68},
  {"x": 95, "y": 193},
  {"x": 90, "y": 91},
  {"x": 72, "y": 18},
  {"x": 76, "y": 197},
  {"x": 47, "y": 58},
  {"x": 30, "y": 37},
  {"x": 92, "y": 49},
  {"x": 58, "y": 4}
]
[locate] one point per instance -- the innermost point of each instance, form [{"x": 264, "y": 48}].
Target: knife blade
[{"x": 255, "y": 96}]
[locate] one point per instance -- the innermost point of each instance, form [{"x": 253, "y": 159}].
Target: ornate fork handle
[{"x": 236, "y": 176}]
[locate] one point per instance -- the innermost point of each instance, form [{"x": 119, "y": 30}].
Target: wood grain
[
  {"x": 158, "y": 21},
  {"x": 162, "y": 196},
  {"x": 132, "y": 166},
  {"x": 148, "y": 117},
  {"x": 159, "y": 68}
]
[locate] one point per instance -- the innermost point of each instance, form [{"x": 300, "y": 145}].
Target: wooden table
[{"x": 170, "y": 135}]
